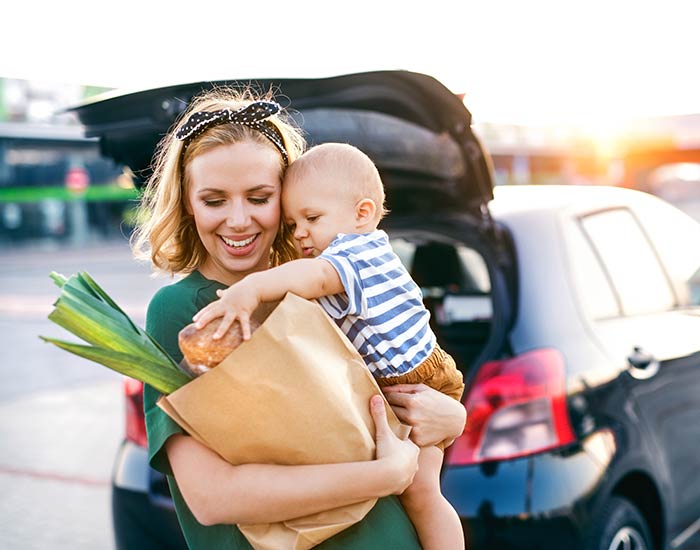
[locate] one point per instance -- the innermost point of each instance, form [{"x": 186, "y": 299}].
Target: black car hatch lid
[{"x": 416, "y": 130}]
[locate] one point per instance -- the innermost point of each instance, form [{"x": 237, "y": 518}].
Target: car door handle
[{"x": 642, "y": 364}]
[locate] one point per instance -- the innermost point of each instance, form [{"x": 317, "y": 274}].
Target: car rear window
[
  {"x": 456, "y": 290},
  {"x": 630, "y": 262}
]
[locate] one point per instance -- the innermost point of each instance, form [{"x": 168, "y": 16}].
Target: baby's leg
[{"x": 435, "y": 520}]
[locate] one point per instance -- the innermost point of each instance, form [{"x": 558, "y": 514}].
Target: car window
[
  {"x": 629, "y": 261},
  {"x": 594, "y": 293},
  {"x": 454, "y": 275},
  {"x": 404, "y": 250},
  {"x": 476, "y": 270},
  {"x": 675, "y": 236}
]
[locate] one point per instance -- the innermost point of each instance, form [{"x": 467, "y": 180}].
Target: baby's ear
[{"x": 365, "y": 211}]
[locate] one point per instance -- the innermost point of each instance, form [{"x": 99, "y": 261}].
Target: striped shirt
[{"x": 381, "y": 310}]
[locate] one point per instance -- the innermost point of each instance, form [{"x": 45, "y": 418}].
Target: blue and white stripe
[{"x": 382, "y": 310}]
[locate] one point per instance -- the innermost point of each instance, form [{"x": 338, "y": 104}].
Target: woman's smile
[{"x": 240, "y": 246}]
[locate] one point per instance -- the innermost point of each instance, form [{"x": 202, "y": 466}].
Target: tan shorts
[{"x": 438, "y": 371}]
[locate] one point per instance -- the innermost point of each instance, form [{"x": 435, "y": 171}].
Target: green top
[{"x": 386, "y": 526}]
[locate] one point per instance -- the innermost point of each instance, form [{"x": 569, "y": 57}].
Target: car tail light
[
  {"x": 135, "y": 420},
  {"x": 515, "y": 407}
]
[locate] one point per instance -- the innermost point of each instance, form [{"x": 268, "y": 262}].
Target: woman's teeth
[{"x": 238, "y": 244}]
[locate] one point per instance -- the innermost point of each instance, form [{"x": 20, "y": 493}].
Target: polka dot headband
[{"x": 254, "y": 116}]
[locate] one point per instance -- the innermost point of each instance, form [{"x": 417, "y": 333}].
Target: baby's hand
[
  {"x": 236, "y": 303},
  {"x": 216, "y": 309}
]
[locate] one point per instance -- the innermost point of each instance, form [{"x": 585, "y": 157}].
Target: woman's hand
[
  {"x": 434, "y": 416},
  {"x": 399, "y": 456}
]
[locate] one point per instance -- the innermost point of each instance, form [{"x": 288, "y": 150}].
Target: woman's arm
[
  {"x": 434, "y": 416},
  {"x": 217, "y": 492}
]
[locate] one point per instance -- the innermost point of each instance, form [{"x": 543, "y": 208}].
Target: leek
[{"x": 114, "y": 340}]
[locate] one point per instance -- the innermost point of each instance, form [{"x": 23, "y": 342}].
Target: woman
[{"x": 212, "y": 211}]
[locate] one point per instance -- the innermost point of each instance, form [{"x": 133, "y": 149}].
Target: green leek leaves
[{"x": 86, "y": 311}]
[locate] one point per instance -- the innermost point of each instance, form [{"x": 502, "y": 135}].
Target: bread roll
[{"x": 202, "y": 352}]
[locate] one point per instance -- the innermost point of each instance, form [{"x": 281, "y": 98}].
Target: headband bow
[{"x": 254, "y": 116}]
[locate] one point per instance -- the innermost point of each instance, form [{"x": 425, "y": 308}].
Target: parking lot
[{"x": 61, "y": 417}]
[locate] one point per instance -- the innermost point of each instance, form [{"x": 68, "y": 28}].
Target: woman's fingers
[
  {"x": 378, "y": 413},
  {"x": 401, "y": 413},
  {"x": 404, "y": 405},
  {"x": 398, "y": 399},
  {"x": 433, "y": 416},
  {"x": 400, "y": 456}
]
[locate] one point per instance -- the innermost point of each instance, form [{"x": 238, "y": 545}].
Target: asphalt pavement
[{"x": 61, "y": 416}]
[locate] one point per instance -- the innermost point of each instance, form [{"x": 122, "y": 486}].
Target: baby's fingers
[
  {"x": 208, "y": 313},
  {"x": 224, "y": 325},
  {"x": 204, "y": 316},
  {"x": 244, "y": 320}
]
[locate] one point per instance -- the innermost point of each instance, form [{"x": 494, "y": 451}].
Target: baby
[{"x": 332, "y": 199}]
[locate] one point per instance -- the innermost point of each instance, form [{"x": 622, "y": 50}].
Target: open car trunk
[
  {"x": 409, "y": 123},
  {"x": 467, "y": 279},
  {"x": 437, "y": 177}
]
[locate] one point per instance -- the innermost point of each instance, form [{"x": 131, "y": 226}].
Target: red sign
[{"x": 77, "y": 179}]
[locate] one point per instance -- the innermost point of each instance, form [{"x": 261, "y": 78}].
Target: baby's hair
[
  {"x": 166, "y": 234},
  {"x": 346, "y": 166}
]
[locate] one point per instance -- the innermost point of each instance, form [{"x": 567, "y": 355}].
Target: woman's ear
[{"x": 365, "y": 212}]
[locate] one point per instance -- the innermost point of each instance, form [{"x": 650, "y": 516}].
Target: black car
[{"x": 572, "y": 312}]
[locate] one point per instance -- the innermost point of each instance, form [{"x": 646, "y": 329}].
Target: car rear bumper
[
  {"x": 542, "y": 501},
  {"x": 143, "y": 514}
]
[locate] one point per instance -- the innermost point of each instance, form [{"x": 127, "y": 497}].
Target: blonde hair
[
  {"x": 166, "y": 234},
  {"x": 346, "y": 166}
]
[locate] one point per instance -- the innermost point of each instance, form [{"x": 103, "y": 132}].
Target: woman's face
[{"x": 234, "y": 197}]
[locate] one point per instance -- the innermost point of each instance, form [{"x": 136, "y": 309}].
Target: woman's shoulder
[
  {"x": 169, "y": 297},
  {"x": 175, "y": 304},
  {"x": 190, "y": 290}
]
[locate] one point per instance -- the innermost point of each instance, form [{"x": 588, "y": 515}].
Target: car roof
[{"x": 575, "y": 199}]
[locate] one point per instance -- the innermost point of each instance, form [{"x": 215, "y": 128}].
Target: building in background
[
  {"x": 54, "y": 184},
  {"x": 36, "y": 102}
]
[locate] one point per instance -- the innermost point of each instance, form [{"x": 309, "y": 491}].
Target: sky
[{"x": 591, "y": 63}]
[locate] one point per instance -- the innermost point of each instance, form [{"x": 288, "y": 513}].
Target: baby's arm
[{"x": 309, "y": 278}]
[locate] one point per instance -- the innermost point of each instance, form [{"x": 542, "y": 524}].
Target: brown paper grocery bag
[{"x": 296, "y": 393}]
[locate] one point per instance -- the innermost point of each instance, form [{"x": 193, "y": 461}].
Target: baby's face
[{"x": 317, "y": 209}]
